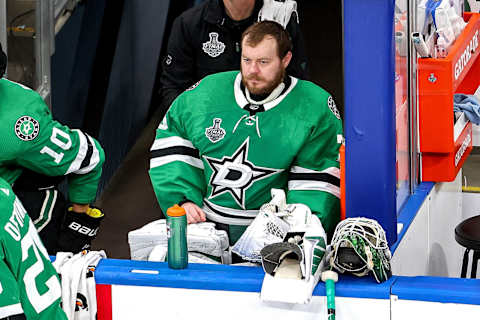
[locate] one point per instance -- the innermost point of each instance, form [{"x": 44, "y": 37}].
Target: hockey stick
[{"x": 330, "y": 277}]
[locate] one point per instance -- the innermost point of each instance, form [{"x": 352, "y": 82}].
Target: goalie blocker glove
[{"x": 79, "y": 229}]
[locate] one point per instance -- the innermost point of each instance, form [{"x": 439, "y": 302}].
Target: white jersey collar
[{"x": 242, "y": 100}]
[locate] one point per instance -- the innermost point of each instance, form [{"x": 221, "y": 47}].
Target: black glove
[{"x": 79, "y": 229}]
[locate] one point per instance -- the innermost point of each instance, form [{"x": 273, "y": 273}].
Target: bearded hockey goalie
[{"x": 228, "y": 140}]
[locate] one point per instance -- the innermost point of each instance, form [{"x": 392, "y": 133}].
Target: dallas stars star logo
[{"x": 236, "y": 174}]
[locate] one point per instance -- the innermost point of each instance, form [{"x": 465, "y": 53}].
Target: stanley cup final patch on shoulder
[
  {"x": 27, "y": 128},
  {"x": 213, "y": 47},
  {"x": 333, "y": 107},
  {"x": 215, "y": 133}
]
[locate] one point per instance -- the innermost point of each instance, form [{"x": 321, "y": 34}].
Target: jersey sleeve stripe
[
  {"x": 167, "y": 150},
  {"x": 305, "y": 185},
  {"x": 10, "y": 310},
  {"x": 240, "y": 213},
  {"x": 91, "y": 159},
  {"x": 45, "y": 215},
  {"x": 180, "y": 150},
  {"x": 82, "y": 152},
  {"x": 87, "y": 157},
  {"x": 89, "y": 153},
  {"x": 334, "y": 171},
  {"x": 170, "y": 142},
  {"x": 221, "y": 217},
  {"x": 320, "y": 177},
  {"x": 158, "y": 162}
]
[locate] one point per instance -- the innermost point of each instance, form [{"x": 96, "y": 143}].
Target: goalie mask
[
  {"x": 3, "y": 61},
  {"x": 359, "y": 246}
]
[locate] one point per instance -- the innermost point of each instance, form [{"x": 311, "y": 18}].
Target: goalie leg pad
[{"x": 77, "y": 231}]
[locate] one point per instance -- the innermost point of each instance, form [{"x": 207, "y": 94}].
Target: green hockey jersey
[
  {"x": 32, "y": 139},
  {"x": 29, "y": 283},
  {"x": 213, "y": 149}
]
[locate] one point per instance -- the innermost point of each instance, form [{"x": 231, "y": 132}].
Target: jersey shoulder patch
[
  {"x": 333, "y": 107},
  {"x": 27, "y": 128}
]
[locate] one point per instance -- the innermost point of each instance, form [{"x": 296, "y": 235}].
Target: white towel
[
  {"x": 278, "y": 11},
  {"x": 79, "y": 299}
]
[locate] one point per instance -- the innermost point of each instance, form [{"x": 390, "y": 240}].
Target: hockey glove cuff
[{"x": 79, "y": 229}]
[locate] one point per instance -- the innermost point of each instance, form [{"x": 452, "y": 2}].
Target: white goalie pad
[
  {"x": 293, "y": 268},
  {"x": 201, "y": 237},
  {"x": 272, "y": 224},
  {"x": 298, "y": 216},
  {"x": 278, "y": 11},
  {"x": 267, "y": 227},
  {"x": 159, "y": 254}
]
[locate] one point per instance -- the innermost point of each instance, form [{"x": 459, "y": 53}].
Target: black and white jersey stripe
[
  {"x": 166, "y": 150},
  {"x": 88, "y": 156},
  {"x": 226, "y": 215},
  {"x": 327, "y": 180}
]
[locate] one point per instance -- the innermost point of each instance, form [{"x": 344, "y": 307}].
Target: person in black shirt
[{"x": 206, "y": 39}]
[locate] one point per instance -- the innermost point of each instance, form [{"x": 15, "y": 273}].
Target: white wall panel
[
  {"x": 445, "y": 213},
  {"x": 429, "y": 247},
  {"x": 413, "y": 309},
  {"x": 413, "y": 247},
  {"x": 471, "y": 205},
  {"x": 135, "y": 302}
]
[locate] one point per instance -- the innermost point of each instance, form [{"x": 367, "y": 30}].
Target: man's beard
[{"x": 268, "y": 88}]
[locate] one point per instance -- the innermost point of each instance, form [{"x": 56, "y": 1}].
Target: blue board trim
[
  {"x": 196, "y": 276},
  {"x": 249, "y": 279},
  {"x": 355, "y": 287},
  {"x": 436, "y": 289},
  {"x": 410, "y": 210},
  {"x": 220, "y": 277}
]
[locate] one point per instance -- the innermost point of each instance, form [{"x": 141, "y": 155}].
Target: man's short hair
[{"x": 258, "y": 31}]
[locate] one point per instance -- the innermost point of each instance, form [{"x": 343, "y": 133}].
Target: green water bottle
[{"x": 177, "y": 237}]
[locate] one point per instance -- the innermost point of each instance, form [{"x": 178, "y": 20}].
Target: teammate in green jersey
[
  {"x": 228, "y": 140},
  {"x": 32, "y": 140},
  {"x": 29, "y": 285}
]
